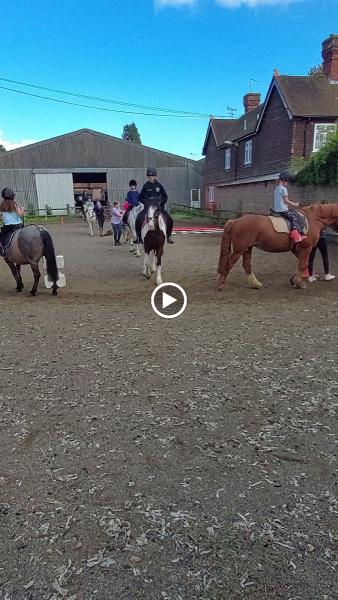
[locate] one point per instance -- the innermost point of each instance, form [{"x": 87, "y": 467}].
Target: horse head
[
  {"x": 326, "y": 213},
  {"x": 152, "y": 216}
]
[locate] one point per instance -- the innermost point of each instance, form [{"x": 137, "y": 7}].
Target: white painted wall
[{"x": 56, "y": 191}]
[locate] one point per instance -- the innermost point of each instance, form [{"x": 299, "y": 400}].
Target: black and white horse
[
  {"x": 153, "y": 234},
  {"x": 131, "y": 229}
]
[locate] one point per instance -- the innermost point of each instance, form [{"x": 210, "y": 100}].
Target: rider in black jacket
[{"x": 153, "y": 192}]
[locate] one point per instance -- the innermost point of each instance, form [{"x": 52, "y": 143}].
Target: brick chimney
[
  {"x": 330, "y": 57},
  {"x": 251, "y": 101}
]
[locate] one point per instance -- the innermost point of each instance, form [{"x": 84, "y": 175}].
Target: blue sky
[{"x": 186, "y": 55}]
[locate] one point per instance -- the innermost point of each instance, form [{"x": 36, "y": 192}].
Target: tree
[
  {"x": 316, "y": 71},
  {"x": 131, "y": 134},
  {"x": 2, "y": 148},
  {"x": 322, "y": 168}
]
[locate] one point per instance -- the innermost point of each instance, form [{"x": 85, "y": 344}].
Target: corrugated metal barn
[{"x": 51, "y": 173}]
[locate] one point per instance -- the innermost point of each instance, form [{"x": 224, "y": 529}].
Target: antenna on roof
[
  {"x": 231, "y": 112},
  {"x": 251, "y": 81}
]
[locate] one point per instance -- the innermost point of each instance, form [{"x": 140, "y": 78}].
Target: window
[
  {"x": 322, "y": 131},
  {"x": 227, "y": 159},
  {"x": 244, "y": 125},
  {"x": 211, "y": 194},
  {"x": 248, "y": 153}
]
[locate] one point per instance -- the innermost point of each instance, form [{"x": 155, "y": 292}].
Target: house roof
[
  {"x": 308, "y": 96},
  {"x": 303, "y": 96},
  {"x": 245, "y": 125},
  {"x": 221, "y": 129}
]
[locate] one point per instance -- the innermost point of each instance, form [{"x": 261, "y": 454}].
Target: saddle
[
  {"x": 282, "y": 225},
  {"x": 7, "y": 239}
]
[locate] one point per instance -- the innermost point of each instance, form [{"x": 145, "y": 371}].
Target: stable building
[{"x": 49, "y": 176}]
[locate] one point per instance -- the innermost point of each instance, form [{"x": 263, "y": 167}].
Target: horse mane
[{"x": 322, "y": 211}]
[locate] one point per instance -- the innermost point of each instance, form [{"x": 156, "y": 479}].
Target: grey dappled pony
[{"x": 28, "y": 245}]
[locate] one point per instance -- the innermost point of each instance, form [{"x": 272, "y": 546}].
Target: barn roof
[{"x": 89, "y": 149}]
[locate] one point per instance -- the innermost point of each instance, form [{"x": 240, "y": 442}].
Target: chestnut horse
[{"x": 241, "y": 235}]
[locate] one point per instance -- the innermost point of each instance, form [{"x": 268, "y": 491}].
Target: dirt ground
[{"x": 168, "y": 460}]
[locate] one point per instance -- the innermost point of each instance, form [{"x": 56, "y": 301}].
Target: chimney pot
[{"x": 251, "y": 101}]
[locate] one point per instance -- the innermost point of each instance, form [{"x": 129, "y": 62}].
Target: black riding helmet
[
  {"x": 151, "y": 172},
  {"x": 284, "y": 176},
  {"x": 7, "y": 193},
  {"x": 132, "y": 183}
]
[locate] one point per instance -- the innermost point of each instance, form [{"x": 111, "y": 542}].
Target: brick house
[{"x": 244, "y": 156}]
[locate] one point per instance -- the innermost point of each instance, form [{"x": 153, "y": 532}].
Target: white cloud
[
  {"x": 12, "y": 145},
  {"x": 253, "y": 3},
  {"x": 174, "y": 3}
]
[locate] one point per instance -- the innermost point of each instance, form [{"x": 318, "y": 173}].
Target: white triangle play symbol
[{"x": 167, "y": 300}]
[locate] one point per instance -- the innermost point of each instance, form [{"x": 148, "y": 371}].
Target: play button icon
[
  {"x": 167, "y": 300},
  {"x": 162, "y": 301}
]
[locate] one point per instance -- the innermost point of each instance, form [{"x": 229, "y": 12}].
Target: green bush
[{"x": 322, "y": 168}]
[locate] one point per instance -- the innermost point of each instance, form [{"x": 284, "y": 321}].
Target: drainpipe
[{"x": 304, "y": 142}]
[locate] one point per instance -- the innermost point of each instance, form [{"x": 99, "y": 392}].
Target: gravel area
[{"x": 168, "y": 460}]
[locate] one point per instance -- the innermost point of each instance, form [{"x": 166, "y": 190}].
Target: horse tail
[
  {"x": 49, "y": 253},
  {"x": 225, "y": 248}
]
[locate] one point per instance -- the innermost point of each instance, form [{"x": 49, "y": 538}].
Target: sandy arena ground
[{"x": 168, "y": 460}]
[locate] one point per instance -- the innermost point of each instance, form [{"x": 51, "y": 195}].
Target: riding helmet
[
  {"x": 284, "y": 176},
  {"x": 7, "y": 193},
  {"x": 132, "y": 183},
  {"x": 151, "y": 172}
]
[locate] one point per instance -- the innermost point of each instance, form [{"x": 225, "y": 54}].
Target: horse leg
[
  {"x": 231, "y": 263},
  {"x": 36, "y": 273},
  {"x": 303, "y": 261},
  {"x": 159, "y": 266},
  {"x": 15, "y": 274},
  {"x": 146, "y": 266},
  {"x": 19, "y": 285},
  {"x": 153, "y": 266},
  {"x": 253, "y": 281}
]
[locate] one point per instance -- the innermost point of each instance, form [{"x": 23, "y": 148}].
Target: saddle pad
[{"x": 282, "y": 225}]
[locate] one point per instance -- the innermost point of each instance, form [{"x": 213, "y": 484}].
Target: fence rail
[{"x": 216, "y": 214}]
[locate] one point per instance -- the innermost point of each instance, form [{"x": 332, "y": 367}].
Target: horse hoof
[
  {"x": 54, "y": 293},
  {"x": 32, "y": 294}
]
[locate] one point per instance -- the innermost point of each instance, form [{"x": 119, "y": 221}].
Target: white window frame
[
  {"x": 321, "y": 133},
  {"x": 248, "y": 152},
  {"x": 227, "y": 159},
  {"x": 211, "y": 194}
]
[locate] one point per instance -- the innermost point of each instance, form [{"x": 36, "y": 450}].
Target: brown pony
[{"x": 243, "y": 234}]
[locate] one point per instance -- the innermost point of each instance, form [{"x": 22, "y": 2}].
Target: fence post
[
  {"x": 46, "y": 207},
  {"x": 68, "y": 211}
]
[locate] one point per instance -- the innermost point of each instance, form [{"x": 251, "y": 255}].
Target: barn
[{"x": 51, "y": 175}]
